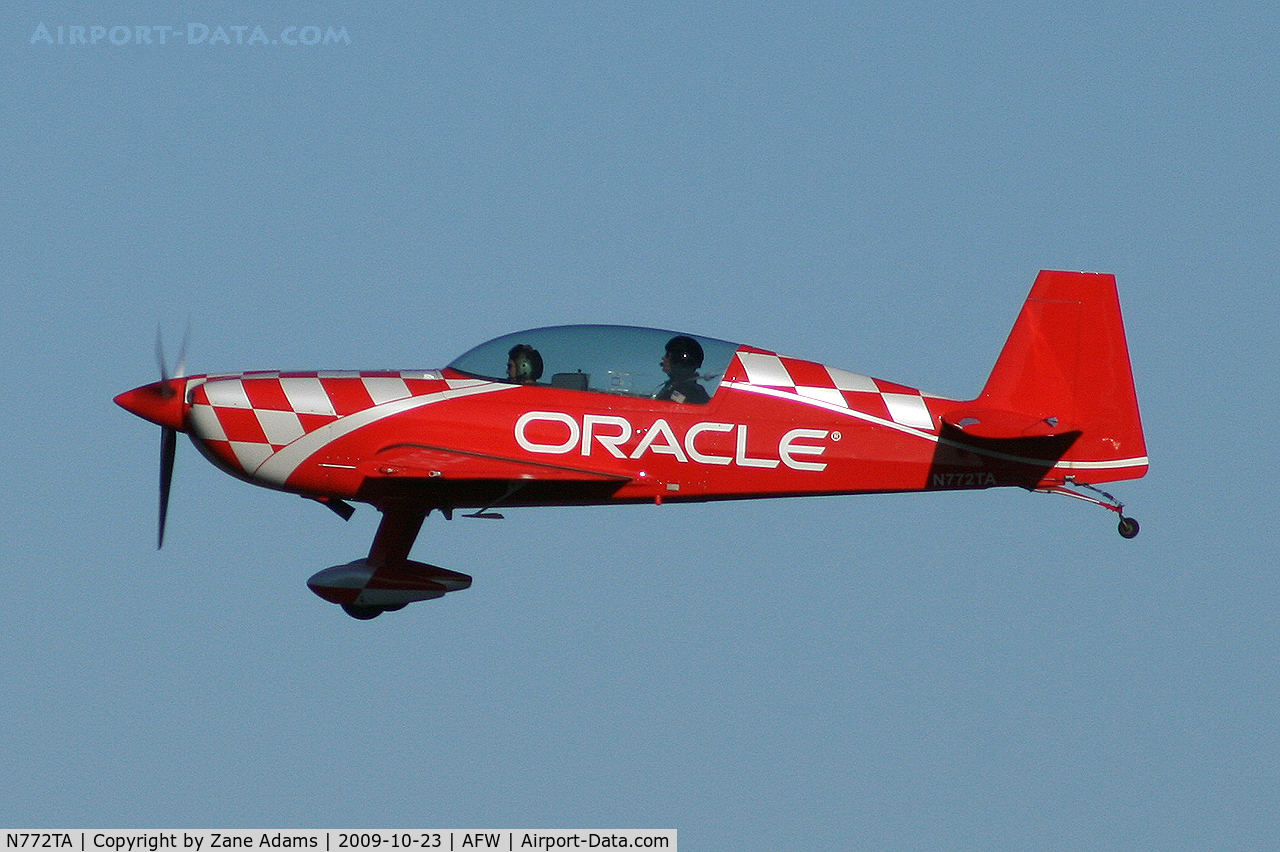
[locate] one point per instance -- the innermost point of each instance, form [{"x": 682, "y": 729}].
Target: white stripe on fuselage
[
  {"x": 845, "y": 411},
  {"x": 280, "y": 466}
]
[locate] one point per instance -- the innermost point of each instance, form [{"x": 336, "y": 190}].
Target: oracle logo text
[{"x": 557, "y": 433}]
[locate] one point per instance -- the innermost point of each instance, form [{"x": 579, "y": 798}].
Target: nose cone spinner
[{"x": 163, "y": 403}]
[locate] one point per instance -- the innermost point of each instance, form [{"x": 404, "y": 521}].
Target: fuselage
[{"x": 775, "y": 426}]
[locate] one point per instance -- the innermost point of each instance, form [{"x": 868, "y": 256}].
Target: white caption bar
[{"x": 333, "y": 840}]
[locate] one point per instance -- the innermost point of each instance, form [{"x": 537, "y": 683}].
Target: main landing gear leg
[
  {"x": 396, "y": 533},
  {"x": 1128, "y": 527}
]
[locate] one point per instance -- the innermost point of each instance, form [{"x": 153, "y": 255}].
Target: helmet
[
  {"x": 685, "y": 352},
  {"x": 525, "y": 362}
]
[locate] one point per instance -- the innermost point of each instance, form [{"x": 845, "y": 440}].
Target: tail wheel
[{"x": 1128, "y": 527}]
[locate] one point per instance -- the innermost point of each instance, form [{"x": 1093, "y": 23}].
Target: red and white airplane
[{"x": 578, "y": 415}]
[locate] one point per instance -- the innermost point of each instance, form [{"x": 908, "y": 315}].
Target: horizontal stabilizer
[{"x": 994, "y": 424}]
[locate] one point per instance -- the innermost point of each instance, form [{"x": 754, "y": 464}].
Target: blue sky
[{"x": 874, "y": 188}]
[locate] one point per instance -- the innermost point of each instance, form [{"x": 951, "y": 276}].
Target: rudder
[{"x": 1066, "y": 365}]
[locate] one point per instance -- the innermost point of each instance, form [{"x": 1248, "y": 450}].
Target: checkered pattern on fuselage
[
  {"x": 245, "y": 418},
  {"x": 839, "y": 388}
]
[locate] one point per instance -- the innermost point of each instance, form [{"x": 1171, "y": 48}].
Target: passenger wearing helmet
[
  {"x": 681, "y": 362},
  {"x": 524, "y": 364}
]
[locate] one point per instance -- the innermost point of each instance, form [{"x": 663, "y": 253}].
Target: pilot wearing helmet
[
  {"x": 681, "y": 361},
  {"x": 524, "y": 364}
]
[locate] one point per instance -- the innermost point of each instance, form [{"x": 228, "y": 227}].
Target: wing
[
  {"x": 448, "y": 479},
  {"x": 421, "y": 461}
]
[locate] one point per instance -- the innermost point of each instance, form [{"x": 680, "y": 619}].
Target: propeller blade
[
  {"x": 168, "y": 436},
  {"x": 168, "y": 450},
  {"x": 160, "y": 360},
  {"x": 181, "y": 370}
]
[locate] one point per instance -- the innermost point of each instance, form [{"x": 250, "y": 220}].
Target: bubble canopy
[{"x": 615, "y": 359}]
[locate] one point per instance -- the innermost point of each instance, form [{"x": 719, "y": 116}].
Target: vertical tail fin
[{"x": 1066, "y": 363}]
